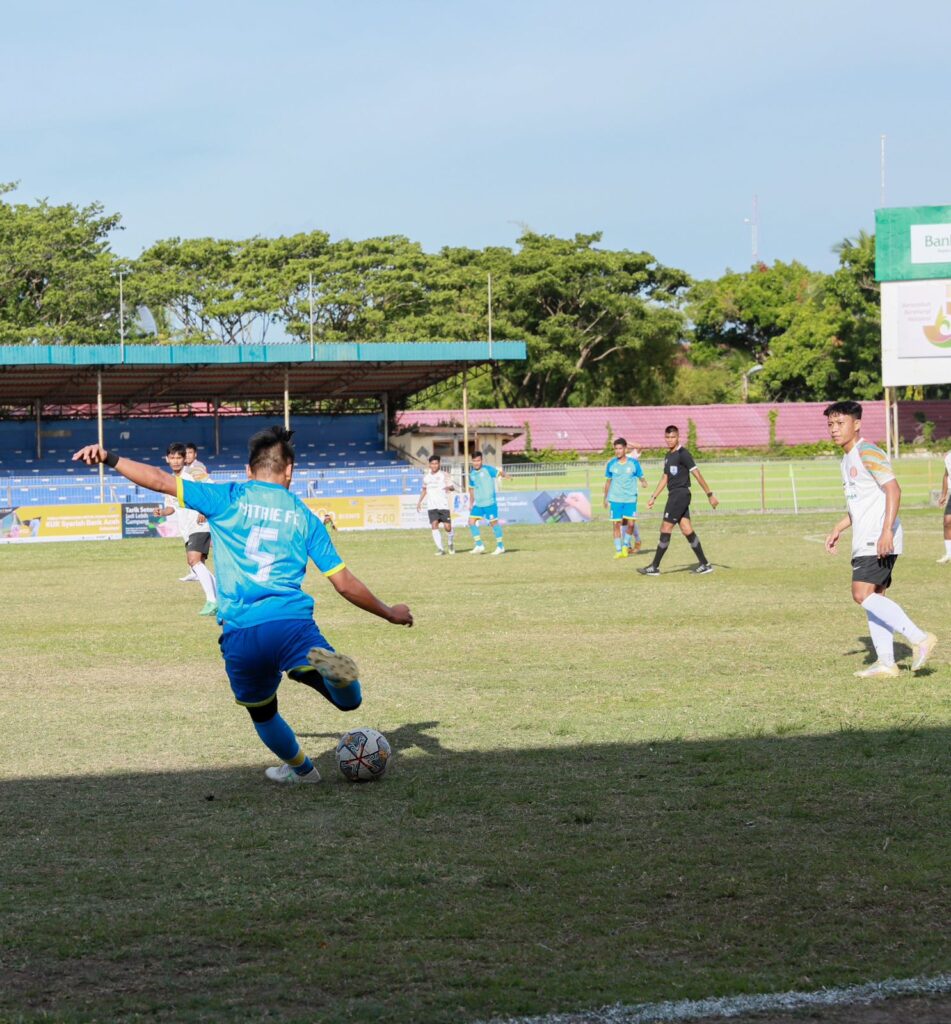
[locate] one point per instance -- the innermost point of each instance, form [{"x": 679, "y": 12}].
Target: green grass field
[{"x": 606, "y": 788}]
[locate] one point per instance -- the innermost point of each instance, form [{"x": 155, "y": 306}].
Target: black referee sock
[
  {"x": 694, "y": 541},
  {"x": 662, "y": 546}
]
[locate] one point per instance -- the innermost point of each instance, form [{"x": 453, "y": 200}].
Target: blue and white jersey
[
  {"x": 263, "y": 536},
  {"x": 623, "y": 476},
  {"x": 482, "y": 482}
]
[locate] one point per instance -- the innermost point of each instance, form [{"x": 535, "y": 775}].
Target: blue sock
[
  {"x": 497, "y": 530},
  {"x": 279, "y": 738},
  {"x": 348, "y": 697},
  {"x": 476, "y": 536},
  {"x": 617, "y": 544}
]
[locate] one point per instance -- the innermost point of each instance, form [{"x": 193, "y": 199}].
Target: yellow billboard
[{"x": 61, "y": 522}]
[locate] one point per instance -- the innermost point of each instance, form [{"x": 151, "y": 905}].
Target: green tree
[
  {"x": 601, "y": 327},
  {"x": 57, "y": 273}
]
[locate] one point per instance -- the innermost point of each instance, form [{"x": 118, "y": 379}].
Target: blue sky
[{"x": 459, "y": 123}]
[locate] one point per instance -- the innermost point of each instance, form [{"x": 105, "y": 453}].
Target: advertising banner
[
  {"x": 916, "y": 332},
  {"x": 912, "y": 243},
  {"x": 142, "y": 520},
  {"x": 28, "y": 523},
  {"x": 61, "y": 522}
]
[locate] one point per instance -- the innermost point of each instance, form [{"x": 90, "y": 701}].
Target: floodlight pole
[
  {"x": 310, "y": 293},
  {"x": 121, "y": 321},
  {"x": 287, "y": 398},
  {"x": 490, "y": 316},
  {"x": 38, "y": 409},
  {"x": 385, "y": 404},
  {"x": 102, "y": 442},
  {"x": 882, "y": 171}
]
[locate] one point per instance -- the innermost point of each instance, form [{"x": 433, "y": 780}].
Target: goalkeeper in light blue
[
  {"x": 483, "y": 504},
  {"x": 264, "y": 536}
]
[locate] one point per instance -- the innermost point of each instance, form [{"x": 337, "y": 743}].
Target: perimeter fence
[{"x": 769, "y": 485}]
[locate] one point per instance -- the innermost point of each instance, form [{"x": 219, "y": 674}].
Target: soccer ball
[{"x": 362, "y": 754}]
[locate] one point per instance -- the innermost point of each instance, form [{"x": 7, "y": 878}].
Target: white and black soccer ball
[{"x": 363, "y": 754}]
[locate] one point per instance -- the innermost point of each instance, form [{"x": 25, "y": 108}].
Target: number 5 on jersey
[{"x": 252, "y": 549}]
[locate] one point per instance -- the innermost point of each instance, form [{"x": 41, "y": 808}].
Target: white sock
[
  {"x": 450, "y": 541},
  {"x": 883, "y": 640},
  {"x": 437, "y": 540},
  {"x": 206, "y": 580},
  {"x": 893, "y": 616},
  {"x": 947, "y": 548}
]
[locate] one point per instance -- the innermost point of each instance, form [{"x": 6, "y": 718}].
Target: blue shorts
[
  {"x": 257, "y": 656},
  {"x": 489, "y": 512},
  {"x": 623, "y": 510}
]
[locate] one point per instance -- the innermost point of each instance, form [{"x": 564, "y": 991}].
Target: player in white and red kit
[
  {"x": 436, "y": 487},
  {"x": 873, "y": 496}
]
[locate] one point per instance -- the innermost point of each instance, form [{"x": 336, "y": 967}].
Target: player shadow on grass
[
  {"x": 866, "y": 647},
  {"x": 570, "y": 874},
  {"x": 403, "y": 738},
  {"x": 690, "y": 568}
]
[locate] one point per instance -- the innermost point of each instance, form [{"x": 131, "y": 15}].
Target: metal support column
[
  {"x": 287, "y": 399},
  {"x": 385, "y": 403},
  {"x": 38, "y": 409},
  {"x": 102, "y": 441},
  {"x": 217, "y": 427},
  {"x": 465, "y": 432}
]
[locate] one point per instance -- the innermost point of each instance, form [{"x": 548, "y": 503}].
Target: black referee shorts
[{"x": 678, "y": 505}]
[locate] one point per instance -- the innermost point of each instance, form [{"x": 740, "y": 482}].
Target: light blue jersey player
[
  {"x": 483, "y": 504},
  {"x": 622, "y": 477},
  {"x": 263, "y": 537}
]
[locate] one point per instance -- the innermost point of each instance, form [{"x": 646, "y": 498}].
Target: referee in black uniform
[{"x": 678, "y": 465}]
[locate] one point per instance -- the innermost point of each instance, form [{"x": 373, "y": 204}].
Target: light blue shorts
[
  {"x": 257, "y": 656},
  {"x": 623, "y": 510},
  {"x": 489, "y": 512}
]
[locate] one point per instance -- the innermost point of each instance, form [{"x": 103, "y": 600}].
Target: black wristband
[{"x": 111, "y": 459}]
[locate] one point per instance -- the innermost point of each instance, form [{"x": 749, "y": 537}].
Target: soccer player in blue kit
[
  {"x": 263, "y": 536},
  {"x": 483, "y": 504},
  {"x": 622, "y": 476}
]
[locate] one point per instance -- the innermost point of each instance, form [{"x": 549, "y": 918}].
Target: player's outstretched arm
[
  {"x": 358, "y": 593},
  {"x": 944, "y": 489},
  {"x": 138, "y": 472}
]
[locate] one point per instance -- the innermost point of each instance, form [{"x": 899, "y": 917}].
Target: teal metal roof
[{"x": 68, "y": 374}]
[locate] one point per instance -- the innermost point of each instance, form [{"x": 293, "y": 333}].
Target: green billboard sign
[{"x": 913, "y": 243}]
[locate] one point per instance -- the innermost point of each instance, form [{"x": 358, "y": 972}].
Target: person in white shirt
[
  {"x": 193, "y": 528},
  {"x": 193, "y": 470},
  {"x": 873, "y": 496},
  {"x": 192, "y": 463},
  {"x": 945, "y": 500},
  {"x": 436, "y": 487}
]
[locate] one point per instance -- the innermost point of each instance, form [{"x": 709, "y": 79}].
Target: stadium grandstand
[
  {"x": 54, "y": 399},
  {"x": 722, "y": 427}
]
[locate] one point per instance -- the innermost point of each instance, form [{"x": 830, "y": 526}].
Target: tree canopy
[{"x": 601, "y": 326}]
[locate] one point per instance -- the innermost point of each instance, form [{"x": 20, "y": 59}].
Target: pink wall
[{"x": 718, "y": 426}]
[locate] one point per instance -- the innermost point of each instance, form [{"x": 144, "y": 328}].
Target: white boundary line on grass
[{"x": 725, "y": 1007}]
